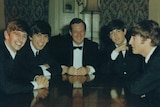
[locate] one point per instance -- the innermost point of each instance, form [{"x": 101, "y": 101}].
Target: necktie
[
  {"x": 77, "y": 47},
  {"x": 120, "y": 54},
  {"x": 37, "y": 53}
]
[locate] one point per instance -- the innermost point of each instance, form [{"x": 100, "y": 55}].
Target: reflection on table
[
  {"x": 78, "y": 91},
  {"x": 86, "y": 91}
]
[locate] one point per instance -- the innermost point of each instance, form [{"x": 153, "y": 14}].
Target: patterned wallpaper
[
  {"x": 129, "y": 11},
  {"x": 29, "y": 10}
]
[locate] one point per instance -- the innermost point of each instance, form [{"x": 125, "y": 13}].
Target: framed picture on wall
[{"x": 68, "y": 6}]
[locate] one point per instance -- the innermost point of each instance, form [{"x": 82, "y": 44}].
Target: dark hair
[
  {"x": 41, "y": 26},
  {"x": 77, "y": 21},
  {"x": 115, "y": 24},
  {"x": 19, "y": 25},
  {"x": 147, "y": 29}
]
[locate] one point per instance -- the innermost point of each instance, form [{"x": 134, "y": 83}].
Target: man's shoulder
[
  {"x": 156, "y": 52},
  {"x": 3, "y": 48}
]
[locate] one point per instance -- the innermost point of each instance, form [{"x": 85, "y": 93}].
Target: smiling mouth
[
  {"x": 19, "y": 44},
  {"x": 41, "y": 45}
]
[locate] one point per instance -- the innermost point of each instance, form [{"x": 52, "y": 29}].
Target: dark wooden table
[
  {"x": 79, "y": 91},
  {"x": 87, "y": 91}
]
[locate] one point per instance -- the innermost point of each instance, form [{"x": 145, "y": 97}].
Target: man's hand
[
  {"x": 79, "y": 78},
  {"x": 80, "y": 71},
  {"x": 83, "y": 70},
  {"x": 72, "y": 71},
  {"x": 123, "y": 47},
  {"x": 42, "y": 93},
  {"x": 65, "y": 69},
  {"x": 47, "y": 66},
  {"x": 64, "y": 77},
  {"x": 42, "y": 82}
]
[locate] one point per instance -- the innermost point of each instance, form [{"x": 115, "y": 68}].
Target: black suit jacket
[
  {"x": 62, "y": 50},
  {"x": 9, "y": 84},
  {"x": 31, "y": 63},
  {"x": 123, "y": 67},
  {"x": 148, "y": 82}
]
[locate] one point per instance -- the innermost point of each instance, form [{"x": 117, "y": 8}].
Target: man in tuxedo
[
  {"x": 117, "y": 58},
  {"x": 76, "y": 54},
  {"x": 15, "y": 35},
  {"x": 38, "y": 60},
  {"x": 145, "y": 41}
]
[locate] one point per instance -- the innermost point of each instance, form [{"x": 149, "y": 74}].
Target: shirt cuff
[
  {"x": 91, "y": 77},
  {"x": 114, "y": 55},
  {"x": 35, "y": 93},
  {"x": 46, "y": 73},
  {"x": 92, "y": 70},
  {"x": 35, "y": 85}
]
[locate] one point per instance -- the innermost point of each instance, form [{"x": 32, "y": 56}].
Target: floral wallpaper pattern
[
  {"x": 129, "y": 11},
  {"x": 29, "y": 10}
]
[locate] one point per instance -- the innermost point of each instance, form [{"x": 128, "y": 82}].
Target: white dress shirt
[
  {"x": 115, "y": 54},
  {"x": 78, "y": 57}
]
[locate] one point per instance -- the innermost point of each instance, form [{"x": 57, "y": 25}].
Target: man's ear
[
  {"x": 149, "y": 40},
  {"x": 6, "y": 35},
  {"x": 70, "y": 33},
  {"x": 48, "y": 41}
]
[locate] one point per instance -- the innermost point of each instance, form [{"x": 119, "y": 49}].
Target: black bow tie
[{"x": 77, "y": 47}]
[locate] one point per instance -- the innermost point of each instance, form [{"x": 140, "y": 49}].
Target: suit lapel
[
  {"x": 70, "y": 52},
  {"x": 156, "y": 51}
]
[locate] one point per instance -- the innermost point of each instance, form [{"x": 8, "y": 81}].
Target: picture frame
[{"x": 68, "y": 6}]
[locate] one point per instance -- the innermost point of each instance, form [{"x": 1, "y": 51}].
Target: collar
[
  {"x": 150, "y": 53},
  {"x": 33, "y": 48},
  {"x": 12, "y": 53}
]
